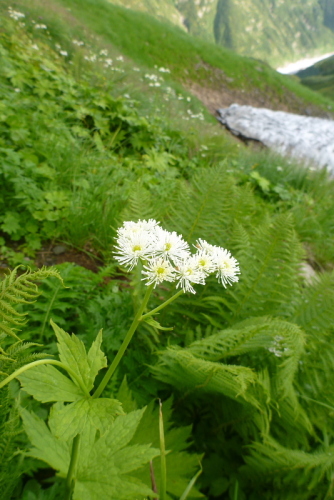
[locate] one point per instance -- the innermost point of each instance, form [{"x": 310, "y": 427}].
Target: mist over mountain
[{"x": 276, "y": 31}]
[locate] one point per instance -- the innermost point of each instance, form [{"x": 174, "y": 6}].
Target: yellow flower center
[
  {"x": 136, "y": 248},
  {"x": 161, "y": 270},
  {"x": 168, "y": 246}
]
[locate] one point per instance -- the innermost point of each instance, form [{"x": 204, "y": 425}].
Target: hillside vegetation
[
  {"x": 320, "y": 77},
  {"x": 275, "y": 32},
  {"x": 98, "y": 126}
]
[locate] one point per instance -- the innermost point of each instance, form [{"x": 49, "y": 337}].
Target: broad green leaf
[
  {"x": 105, "y": 474},
  {"x": 72, "y": 352},
  {"x": 70, "y": 420},
  {"x": 45, "y": 383},
  {"x": 46, "y": 447},
  {"x": 181, "y": 465}
]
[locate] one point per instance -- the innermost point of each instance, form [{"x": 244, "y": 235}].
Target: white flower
[
  {"x": 129, "y": 228},
  {"x": 157, "y": 271},
  {"x": 63, "y": 53},
  {"x": 79, "y": 43},
  {"x": 14, "y": 14},
  {"x": 170, "y": 245},
  {"x": 227, "y": 267},
  {"x": 205, "y": 262},
  {"x": 41, "y": 27},
  {"x": 204, "y": 246},
  {"x": 131, "y": 248},
  {"x": 188, "y": 272}
]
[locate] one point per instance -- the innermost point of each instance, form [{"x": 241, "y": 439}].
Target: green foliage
[
  {"x": 19, "y": 290},
  {"x": 180, "y": 464},
  {"x": 15, "y": 289},
  {"x": 105, "y": 464}
]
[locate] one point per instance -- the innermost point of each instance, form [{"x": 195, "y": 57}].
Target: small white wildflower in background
[
  {"x": 17, "y": 90},
  {"x": 120, "y": 58},
  {"x": 63, "y": 53},
  {"x": 40, "y": 27},
  {"x": 279, "y": 169},
  {"x": 157, "y": 271},
  {"x": 79, "y": 43},
  {"x": 164, "y": 70},
  {"x": 15, "y": 14},
  {"x": 136, "y": 69},
  {"x": 107, "y": 63},
  {"x": 103, "y": 52},
  {"x": 188, "y": 273},
  {"x": 227, "y": 267},
  {"x": 35, "y": 47},
  {"x": 126, "y": 96},
  {"x": 91, "y": 58}
]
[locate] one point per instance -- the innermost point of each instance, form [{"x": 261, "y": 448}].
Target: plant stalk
[
  {"x": 163, "y": 471},
  {"x": 71, "y": 470},
  {"x": 125, "y": 343},
  {"x": 180, "y": 292}
]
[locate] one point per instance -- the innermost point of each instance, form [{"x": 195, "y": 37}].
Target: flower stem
[
  {"x": 180, "y": 292},
  {"x": 71, "y": 470},
  {"x": 45, "y": 362},
  {"x": 125, "y": 343},
  {"x": 163, "y": 471}
]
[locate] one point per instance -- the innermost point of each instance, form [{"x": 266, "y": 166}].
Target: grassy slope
[
  {"x": 150, "y": 42},
  {"x": 320, "y": 77}
]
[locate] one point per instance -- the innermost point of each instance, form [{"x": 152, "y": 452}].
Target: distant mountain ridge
[{"x": 276, "y": 31}]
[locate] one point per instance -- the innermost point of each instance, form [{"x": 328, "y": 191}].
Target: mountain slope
[
  {"x": 217, "y": 76},
  {"x": 274, "y": 31},
  {"x": 320, "y": 77}
]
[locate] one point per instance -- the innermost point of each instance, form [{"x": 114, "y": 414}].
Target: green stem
[
  {"x": 125, "y": 343},
  {"x": 163, "y": 471},
  {"x": 45, "y": 362},
  {"x": 180, "y": 292},
  {"x": 71, "y": 470}
]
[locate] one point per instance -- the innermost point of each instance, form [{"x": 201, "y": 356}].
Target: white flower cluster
[
  {"x": 167, "y": 256},
  {"x": 15, "y": 14}
]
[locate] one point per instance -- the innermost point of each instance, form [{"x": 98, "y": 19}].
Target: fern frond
[
  {"x": 181, "y": 369},
  {"x": 209, "y": 206},
  {"x": 271, "y": 335},
  {"x": 270, "y": 267},
  {"x": 309, "y": 469},
  {"x": 19, "y": 289},
  {"x": 316, "y": 297}
]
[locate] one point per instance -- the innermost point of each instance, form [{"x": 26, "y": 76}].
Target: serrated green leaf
[
  {"x": 72, "y": 353},
  {"x": 46, "y": 447},
  {"x": 181, "y": 465},
  {"x": 70, "y": 420},
  {"x": 150, "y": 321},
  {"x": 46, "y": 384},
  {"x": 105, "y": 474}
]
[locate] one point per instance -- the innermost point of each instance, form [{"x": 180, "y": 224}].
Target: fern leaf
[{"x": 19, "y": 289}]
